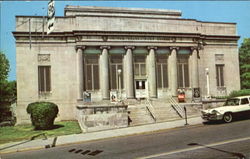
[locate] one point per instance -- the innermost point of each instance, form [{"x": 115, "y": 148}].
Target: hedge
[
  {"x": 42, "y": 114},
  {"x": 242, "y": 92}
]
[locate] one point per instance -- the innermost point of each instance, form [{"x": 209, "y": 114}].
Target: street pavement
[
  {"x": 215, "y": 140},
  {"x": 84, "y": 137}
]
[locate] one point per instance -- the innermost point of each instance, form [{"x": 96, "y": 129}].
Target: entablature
[{"x": 126, "y": 37}]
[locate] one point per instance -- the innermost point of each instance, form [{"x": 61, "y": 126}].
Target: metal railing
[
  {"x": 151, "y": 109},
  {"x": 175, "y": 105}
]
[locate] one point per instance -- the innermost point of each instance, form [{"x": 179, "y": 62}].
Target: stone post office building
[{"x": 156, "y": 50}]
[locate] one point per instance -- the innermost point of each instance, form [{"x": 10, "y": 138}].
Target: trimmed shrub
[
  {"x": 42, "y": 114},
  {"x": 242, "y": 92}
]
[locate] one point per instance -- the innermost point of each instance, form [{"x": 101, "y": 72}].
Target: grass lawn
[{"x": 25, "y": 132}]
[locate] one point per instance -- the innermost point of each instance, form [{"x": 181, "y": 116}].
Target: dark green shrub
[
  {"x": 42, "y": 114},
  {"x": 220, "y": 97},
  {"x": 242, "y": 92}
]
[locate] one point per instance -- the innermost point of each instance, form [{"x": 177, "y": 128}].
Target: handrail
[
  {"x": 150, "y": 108},
  {"x": 176, "y": 107}
]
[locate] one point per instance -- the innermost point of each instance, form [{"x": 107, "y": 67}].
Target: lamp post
[
  {"x": 208, "y": 90},
  {"x": 119, "y": 84}
]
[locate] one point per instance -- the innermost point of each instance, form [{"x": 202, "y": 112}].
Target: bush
[
  {"x": 242, "y": 92},
  {"x": 42, "y": 114}
]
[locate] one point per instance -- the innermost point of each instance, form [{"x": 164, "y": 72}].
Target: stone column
[
  {"x": 152, "y": 73},
  {"x": 79, "y": 68},
  {"x": 104, "y": 68},
  {"x": 194, "y": 67},
  {"x": 129, "y": 73},
  {"x": 172, "y": 67}
]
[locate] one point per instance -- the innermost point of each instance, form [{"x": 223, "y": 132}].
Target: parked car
[{"x": 232, "y": 108}]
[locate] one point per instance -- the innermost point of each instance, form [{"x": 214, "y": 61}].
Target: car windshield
[{"x": 232, "y": 102}]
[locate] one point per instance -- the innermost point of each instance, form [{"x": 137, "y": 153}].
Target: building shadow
[{"x": 234, "y": 154}]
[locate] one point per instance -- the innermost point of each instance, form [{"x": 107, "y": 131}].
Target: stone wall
[
  {"x": 62, "y": 59},
  {"x": 95, "y": 117}
]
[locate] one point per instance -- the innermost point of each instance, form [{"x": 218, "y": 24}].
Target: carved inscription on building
[
  {"x": 126, "y": 38},
  {"x": 219, "y": 57},
  {"x": 43, "y": 57},
  {"x": 143, "y": 38}
]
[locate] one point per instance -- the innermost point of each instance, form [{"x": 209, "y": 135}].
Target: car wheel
[{"x": 228, "y": 117}]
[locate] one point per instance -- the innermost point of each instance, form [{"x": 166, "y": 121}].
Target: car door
[{"x": 244, "y": 105}]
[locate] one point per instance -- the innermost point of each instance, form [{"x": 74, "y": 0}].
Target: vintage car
[{"x": 233, "y": 107}]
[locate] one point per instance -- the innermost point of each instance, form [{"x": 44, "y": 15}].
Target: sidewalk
[{"x": 77, "y": 138}]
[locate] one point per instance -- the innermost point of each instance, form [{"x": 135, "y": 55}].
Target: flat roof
[{"x": 122, "y": 10}]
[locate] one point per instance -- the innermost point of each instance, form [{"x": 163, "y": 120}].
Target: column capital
[
  {"x": 105, "y": 47},
  {"x": 196, "y": 48},
  {"x": 152, "y": 47},
  {"x": 174, "y": 48},
  {"x": 129, "y": 47},
  {"x": 79, "y": 47}
]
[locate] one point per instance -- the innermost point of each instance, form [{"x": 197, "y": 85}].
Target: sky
[{"x": 214, "y": 11}]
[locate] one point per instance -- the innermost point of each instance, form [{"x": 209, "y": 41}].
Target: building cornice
[
  {"x": 163, "y": 18},
  {"x": 116, "y": 10},
  {"x": 196, "y": 37}
]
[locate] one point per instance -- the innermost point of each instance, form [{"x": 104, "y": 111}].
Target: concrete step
[
  {"x": 139, "y": 115},
  {"x": 164, "y": 111}
]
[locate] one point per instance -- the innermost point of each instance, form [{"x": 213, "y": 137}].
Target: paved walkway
[{"x": 77, "y": 138}]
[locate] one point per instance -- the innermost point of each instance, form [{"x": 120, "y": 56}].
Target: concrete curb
[{"x": 87, "y": 137}]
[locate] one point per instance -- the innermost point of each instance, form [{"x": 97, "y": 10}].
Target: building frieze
[{"x": 78, "y": 37}]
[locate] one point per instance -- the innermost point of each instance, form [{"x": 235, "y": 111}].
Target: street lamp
[
  {"x": 208, "y": 90},
  {"x": 119, "y": 84}
]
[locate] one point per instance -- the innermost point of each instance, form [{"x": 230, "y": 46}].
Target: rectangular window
[
  {"x": 159, "y": 76},
  {"x": 140, "y": 66},
  {"x": 115, "y": 65},
  {"x": 137, "y": 69},
  {"x": 44, "y": 79},
  {"x": 180, "y": 76},
  {"x": 183, "y": 73},
  {"x": 162, "y": 72},
  {"x": 96, "y": 84},
  {"x": 220, "y": 75},
  {"x": 165, "y": 75},
  {"x": 91, "y": 72}
]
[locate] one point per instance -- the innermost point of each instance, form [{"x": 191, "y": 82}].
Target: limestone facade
[{"x": 157, "y": 52}]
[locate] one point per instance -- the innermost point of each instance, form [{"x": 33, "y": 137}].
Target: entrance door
[{"x": 141, "y": 88}]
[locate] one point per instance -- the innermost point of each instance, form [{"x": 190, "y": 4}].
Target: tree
[
  {"x": 7, "y": 88},
  {"x": 244, "y": 58},
  {"x": 5, "y": 67},
  {"x": 7, "y": 91}
]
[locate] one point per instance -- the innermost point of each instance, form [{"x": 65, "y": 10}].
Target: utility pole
[{"x": 43, "y": 25}]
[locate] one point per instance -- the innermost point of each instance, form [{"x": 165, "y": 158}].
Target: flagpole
[
  {"x": 30, "y": 32},
  {"x": 43, "y": 26}
]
